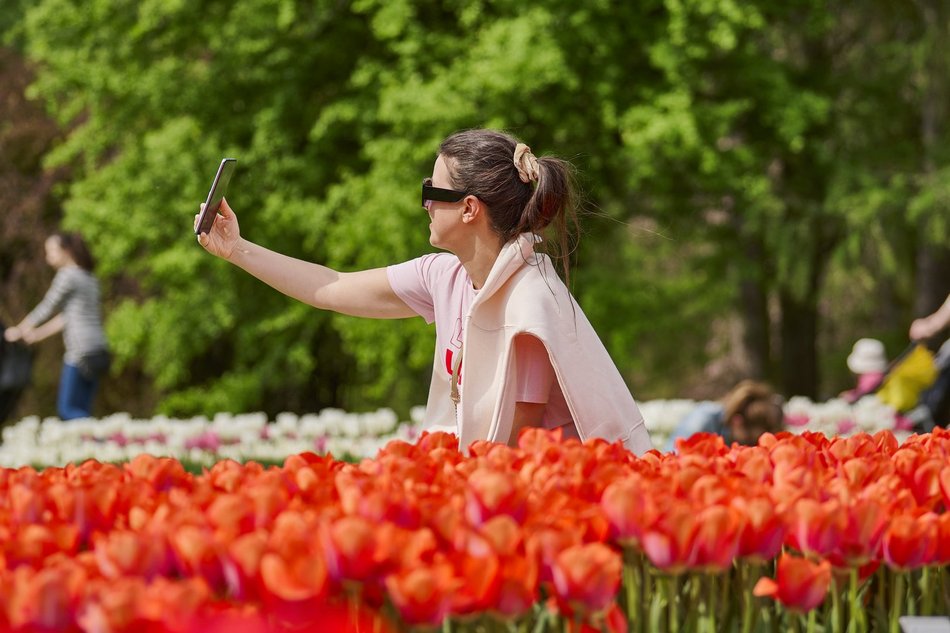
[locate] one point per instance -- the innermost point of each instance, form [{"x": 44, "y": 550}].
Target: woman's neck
[{"x": 479, "y": 258}]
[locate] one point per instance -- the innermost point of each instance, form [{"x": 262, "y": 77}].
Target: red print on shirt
[{"x": 455, "y": 343}]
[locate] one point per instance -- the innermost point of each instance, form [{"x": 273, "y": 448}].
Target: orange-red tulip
[
  {"x": 861, "y": 539},
  {"x": 669, "y": 543},
  {"x": 548, "y": 543},
  {"x": 423, "y": 595},
  {"x": 815, "y": 527},
  {"x": 800, "y": 584},
  {"x": 945, "y": 486},
  {"x": 763, "y": 531},
  {"x": 122, "y": 553},
  {"x": 910, "y": 542},
  {"x": 490, "y": 493},
  {"x": 44, "y": 599},
  {"x": 349, "y": 547},
  {"x": 300, "y": 579},
  {"x": 197, "y": 553},
  {"x": 717, "y": 537},
  {"x": 587, "y": 576},
  {"x": 628, "y": 505}
]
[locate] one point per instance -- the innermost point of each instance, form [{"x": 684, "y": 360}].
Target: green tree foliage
[{"x": 726, "y": 149}]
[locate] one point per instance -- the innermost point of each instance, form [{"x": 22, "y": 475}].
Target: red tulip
[
  {"x": 490, "y": 493},
  {"x": 518, "y": 589},
  {"x": 942, "y": 552},
  {"x": 800, "y": 584},
  {"x": 162, "y": 473},
  {"x": 197, "y": 553},
  {"x": 587, "y": 576},
  {"x": 303, "y": 578},
  {"x": 703, "y": 444},
  {"x": 242, "y": 563},
  {"x": 945, "y": 486},
  {"x": 349, "y": 546},
  {"x": 548, "y": 543},
  {"x": 172, "y": 604},
  {"x": 423, "y": 595},
  {"x": 861, "y": 539},
  {"x": 628, "y": 505},
  {"x": 754, "y": 462},
  {"x": 122, "y": 553},
  {"x": 670, "y": 542},
  {"x": 764, "y": 529},
  {"x": 816, "y": 528},
  {"x": 910, "y": 542},
  {"x": 717, "y": 537},
  {"x": 44, "y": 599}
]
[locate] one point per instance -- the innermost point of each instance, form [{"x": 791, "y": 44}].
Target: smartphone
[{"x": 218, "y": 189}]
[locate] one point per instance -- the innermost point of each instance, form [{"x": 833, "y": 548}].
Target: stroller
[
  {"x": 917, "y": 385},
  {"x": 16, "y": 370}
]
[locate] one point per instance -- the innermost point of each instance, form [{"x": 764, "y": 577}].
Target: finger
[
  {"x": 196, "y": 222},
  {"x": 225, "y": 209}
]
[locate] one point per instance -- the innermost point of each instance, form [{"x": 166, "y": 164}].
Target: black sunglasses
[{"x": 430, "y": 193}]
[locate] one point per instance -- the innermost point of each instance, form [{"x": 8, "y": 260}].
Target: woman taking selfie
[
  {"x": 513, "y": 348},
  {"x": 71, "y": 306}
]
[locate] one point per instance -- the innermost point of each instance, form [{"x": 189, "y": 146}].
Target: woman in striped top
[{"x": 71, "y": 306}]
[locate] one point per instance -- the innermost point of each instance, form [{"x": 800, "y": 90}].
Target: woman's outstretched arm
[{"x": 365, "y": 293}]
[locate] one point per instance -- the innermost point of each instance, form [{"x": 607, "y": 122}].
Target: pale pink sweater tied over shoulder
[{"x": 524, "y": 295}]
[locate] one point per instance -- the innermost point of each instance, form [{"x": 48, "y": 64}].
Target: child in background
[
  {"x": 868, "y": 361},
  {"x": 750, "y": 409}
]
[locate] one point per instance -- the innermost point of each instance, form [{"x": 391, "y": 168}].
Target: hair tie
[{"x": 526, "y": 163}]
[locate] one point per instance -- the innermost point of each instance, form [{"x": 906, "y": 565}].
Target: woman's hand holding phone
[{"x": 225, "y": 233}]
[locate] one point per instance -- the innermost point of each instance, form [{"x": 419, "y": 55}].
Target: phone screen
[{"x": 218, "y": 190}]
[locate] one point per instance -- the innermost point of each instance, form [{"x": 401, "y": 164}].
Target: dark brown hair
[
  {"x": 759, "y": 407},
  {"x": 481, "y": 162},
  {"x": 73, "y": 244}
]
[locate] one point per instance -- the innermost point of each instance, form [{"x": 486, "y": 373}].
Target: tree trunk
[
  {"x": 799, "y": 365},
  {"x": 933, "y": 277},
  {"x": 933, "y": 260},
  {"x": 753, "y": 306}
]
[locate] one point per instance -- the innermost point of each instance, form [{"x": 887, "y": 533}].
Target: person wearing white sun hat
[{"x": 868, "y": 360}]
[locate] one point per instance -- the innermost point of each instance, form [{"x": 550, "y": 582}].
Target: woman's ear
[{"x": 473, "y": 209}]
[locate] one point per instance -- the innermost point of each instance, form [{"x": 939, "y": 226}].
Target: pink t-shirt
[{"x": 439, "y": 289}]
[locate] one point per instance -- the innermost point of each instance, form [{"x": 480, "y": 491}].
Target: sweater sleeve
[{"x": 52, "y": 304}]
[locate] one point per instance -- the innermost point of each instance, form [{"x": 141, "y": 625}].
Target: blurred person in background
[
  {"x": 931, "y": 325},
  {"x": 749, "y": 410},
  {"x": 867, "y": 361},
  {"x": 16, "y": 367},
  {"x": 71, "y": 306},
  {"x": 934, "y": 408}
]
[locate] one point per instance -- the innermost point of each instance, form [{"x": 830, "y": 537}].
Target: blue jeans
[{"x": 75, "y": 394}]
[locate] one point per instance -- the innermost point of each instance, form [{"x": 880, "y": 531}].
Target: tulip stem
[
  {"x": 927, "y": 592},
  {"x": 858, "y": 616},
  {"x": 711, "y": 602},
  {"x": 835, "y": 606},
  {"x": 725, "y": 606},
  {"x": 672, "y": 587},
  {"x": 656, "y": 610},
  {"x": 795, "y": 622},
  {"x": 897, "y": 603},
  {"x": 631, "y": 580},
  {"x": 748, "y": 600}
]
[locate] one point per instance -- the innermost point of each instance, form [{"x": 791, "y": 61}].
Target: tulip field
[{"x": 803, "y": 532}]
